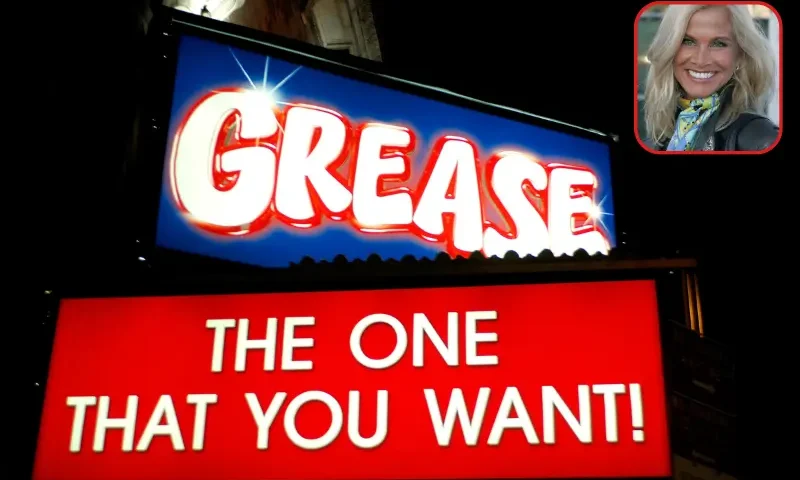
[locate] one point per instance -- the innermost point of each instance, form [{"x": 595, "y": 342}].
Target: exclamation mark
[{"x": 636, "y": 412}]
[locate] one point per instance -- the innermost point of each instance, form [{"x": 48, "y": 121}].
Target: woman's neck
[{"x": 682, "y": 94}]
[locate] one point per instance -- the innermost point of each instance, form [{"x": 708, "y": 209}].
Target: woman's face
[{"x": 707, "y": 56}]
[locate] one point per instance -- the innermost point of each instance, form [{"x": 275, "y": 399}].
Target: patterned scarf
[{"x": 694, "y": 113}]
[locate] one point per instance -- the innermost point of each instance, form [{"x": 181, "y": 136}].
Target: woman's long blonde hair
[{"x": 753, "y": 82}]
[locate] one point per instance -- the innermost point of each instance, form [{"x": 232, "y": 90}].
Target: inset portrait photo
[{"x": 708, "y": 77}]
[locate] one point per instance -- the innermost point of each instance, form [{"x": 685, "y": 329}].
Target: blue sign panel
[{"x": 269, "y": 161}]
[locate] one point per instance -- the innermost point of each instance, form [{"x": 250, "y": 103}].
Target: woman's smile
[{"x": 701, "y": 76}]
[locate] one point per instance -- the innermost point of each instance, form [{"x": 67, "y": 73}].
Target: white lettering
[
  {"x": 229, "y": 190},
  {"x": 528, "y": 233},
  {"x": 473, "y": 338},
  {"x": 164, "y": 410},
  {"x": 219, "y": 327},
  {"x": 456, "y": 407},
  {"x": 264, "y": 418},
  {"x": 609, "y": 393},
  {"x": 456, "y": 162},
  {"x": 195, "y": 155},
  {"x": 302, "y": 163},
  {"x": 392, "y": 358},
  {"x": 354, "y": 420},
  {"x": 162, "y": 422},
  {"x": 372, "y": 207},
  {"x": 422, "y": 327},
  {"x": 337, "y": 420},
  {"x": 290, "y": 343},
  {"x": 201, "y": 402},
  {"x": 80, "y": 404},
  {"x": 127, "y": 423},
  {"x": 552, "y": 401},
  {"x": 567, "y": 235},
  {"x": 243, "y": 344},
  {"x": 503, "y": 421}
]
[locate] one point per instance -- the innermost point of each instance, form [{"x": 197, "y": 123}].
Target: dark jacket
[{"x": 748, "y": 132}]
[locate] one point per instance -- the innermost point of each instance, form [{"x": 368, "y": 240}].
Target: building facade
[{"x": 343, "y": 25}]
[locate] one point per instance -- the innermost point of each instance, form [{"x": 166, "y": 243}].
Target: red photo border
[{"x": 636, "y": 78}]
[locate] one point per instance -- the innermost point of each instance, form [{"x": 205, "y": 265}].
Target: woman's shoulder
[{"x": 750, "y": 132}]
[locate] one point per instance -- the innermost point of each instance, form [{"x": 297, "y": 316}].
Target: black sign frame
[{"x": 167, "y": 28}]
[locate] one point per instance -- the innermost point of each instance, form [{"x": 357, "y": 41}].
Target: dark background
[{"x": 569, "y": 61}]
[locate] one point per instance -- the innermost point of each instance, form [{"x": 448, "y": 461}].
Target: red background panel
[{"x": 562, "y": 335}]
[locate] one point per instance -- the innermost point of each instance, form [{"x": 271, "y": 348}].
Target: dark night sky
[
  {"x": 567, "y": 62},
  {"x": 572, "y": 61},
  {"x": 559, "y": 60}
]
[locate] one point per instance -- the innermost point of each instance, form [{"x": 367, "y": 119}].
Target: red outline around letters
[{"x": 226, "y": 180}]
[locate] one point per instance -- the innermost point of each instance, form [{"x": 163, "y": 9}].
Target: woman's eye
[
  {"x": 719, "y": 44},
  {"x": 688, "y": 41}
]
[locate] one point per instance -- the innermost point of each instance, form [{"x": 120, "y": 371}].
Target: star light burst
[
  {"x": 265, "y": 89},
  {"x": 596, "y": 214}
]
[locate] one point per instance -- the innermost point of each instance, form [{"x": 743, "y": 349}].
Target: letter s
[
  {"x": 528, "y": 233},
  {"x": 248, "y": 162}
]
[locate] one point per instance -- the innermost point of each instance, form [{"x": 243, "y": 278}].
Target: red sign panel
[{"x": 532, "y": 381}]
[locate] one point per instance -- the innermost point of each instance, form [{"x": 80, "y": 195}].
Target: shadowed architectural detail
[
  {"x": 343, "y": 25},
  {"x": 281, "y": 17}
]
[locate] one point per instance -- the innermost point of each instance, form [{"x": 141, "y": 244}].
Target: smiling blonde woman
[{"x": 711, "y": 75}]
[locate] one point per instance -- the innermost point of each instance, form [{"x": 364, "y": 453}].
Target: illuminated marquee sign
[
  {"x": 318, "y": 164},
  {"x": 522, "y": 381}
]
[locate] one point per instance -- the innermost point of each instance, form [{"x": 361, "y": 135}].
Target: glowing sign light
[
  {"x": 244, "y": 164},
  {"x": 457, "y": 383}
]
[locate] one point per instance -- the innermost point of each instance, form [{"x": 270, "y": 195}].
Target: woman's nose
[{"x": 701, "y": 56}]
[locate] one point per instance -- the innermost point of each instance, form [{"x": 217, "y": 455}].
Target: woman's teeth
[{"x": 701, "y": 75}]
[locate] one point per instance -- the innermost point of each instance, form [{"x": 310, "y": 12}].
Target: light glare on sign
[
  {"x": 515, "y": 381},
  {"x": 289, "y": 169}
]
